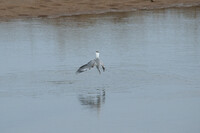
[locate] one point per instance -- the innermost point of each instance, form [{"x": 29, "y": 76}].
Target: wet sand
[{"x": 54, "y": 8}]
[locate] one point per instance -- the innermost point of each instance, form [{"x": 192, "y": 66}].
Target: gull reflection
[{"x": 93, "y": 100}]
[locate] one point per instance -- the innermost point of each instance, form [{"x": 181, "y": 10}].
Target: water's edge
[{"x": 156, "y": 7}]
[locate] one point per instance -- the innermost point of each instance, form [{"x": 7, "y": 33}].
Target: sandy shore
[{"x": 54, "y": 8}]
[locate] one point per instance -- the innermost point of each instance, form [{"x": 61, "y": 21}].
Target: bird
[{"x": 95, "y": 62}]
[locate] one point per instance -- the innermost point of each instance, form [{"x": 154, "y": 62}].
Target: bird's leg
[
  {"x": 102, "y": 65},
  {"x": 98, "y": 70}
]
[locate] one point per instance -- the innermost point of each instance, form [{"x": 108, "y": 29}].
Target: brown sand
[{"x": 54, "y": 8}]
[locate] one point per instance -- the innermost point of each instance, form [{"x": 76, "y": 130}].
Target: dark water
[{"x": 151, "y": 83}]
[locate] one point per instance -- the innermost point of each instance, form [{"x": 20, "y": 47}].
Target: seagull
[{"x": 96, "y": 62}]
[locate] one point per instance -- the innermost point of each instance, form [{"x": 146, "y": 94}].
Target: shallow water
[{"x": 151, "y": 83}]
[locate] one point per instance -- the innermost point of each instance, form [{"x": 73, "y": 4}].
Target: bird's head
[{"x": 97, "y": 54}]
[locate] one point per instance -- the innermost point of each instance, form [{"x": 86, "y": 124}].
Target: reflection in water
[{"x": 93, "y": 100}]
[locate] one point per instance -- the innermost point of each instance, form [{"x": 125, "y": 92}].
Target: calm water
[{"x": 151, "y": 83}]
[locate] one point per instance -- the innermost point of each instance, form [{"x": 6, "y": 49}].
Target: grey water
[{"x": 151, "y": 83}]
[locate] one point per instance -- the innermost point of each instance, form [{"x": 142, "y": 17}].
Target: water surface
[{"x": 151, "y": 83}]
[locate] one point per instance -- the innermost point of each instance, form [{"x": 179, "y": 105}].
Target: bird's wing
[
  {"x": 87, "y": 66},
  {"x": 102, "y": 65}
]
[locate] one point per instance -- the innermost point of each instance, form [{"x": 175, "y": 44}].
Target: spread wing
[
  {"x": 87, "y": 66},
  {"x": 102, "y": 65}
]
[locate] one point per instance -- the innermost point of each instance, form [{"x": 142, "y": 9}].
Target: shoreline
[
  {"x": 118, "y": 11},
  {"x": 15, "y": 9}
]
